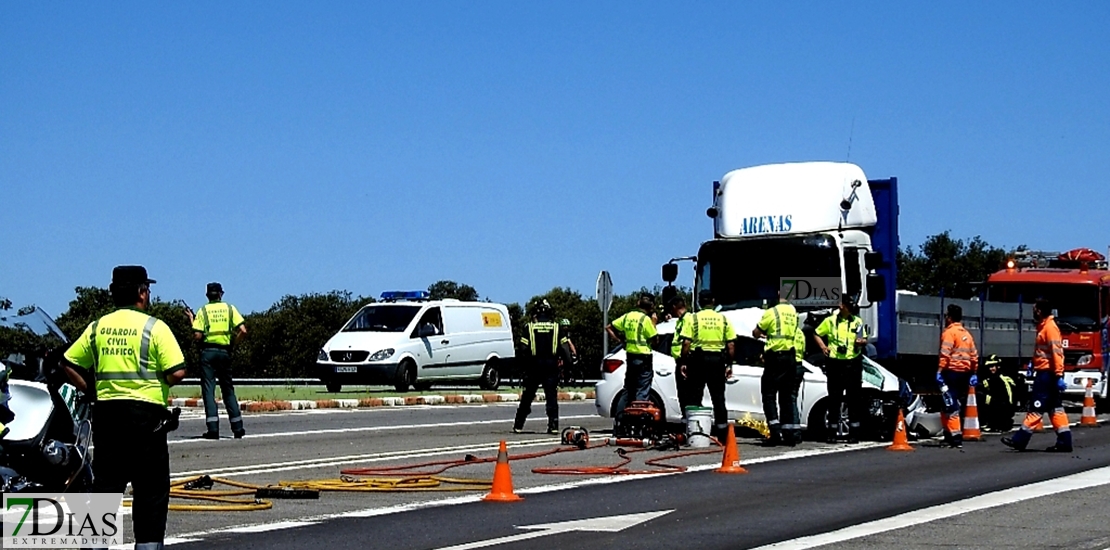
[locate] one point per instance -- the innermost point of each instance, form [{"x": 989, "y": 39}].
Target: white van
[{"x": 406, "y": 340}]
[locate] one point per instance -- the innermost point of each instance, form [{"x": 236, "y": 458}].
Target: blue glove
[
  {"x": 1029, "y": 370},
  {"x": 1063, "y": 386},
  {"x": 940, "y": 379},
  {"x": 974, "y": 381}
]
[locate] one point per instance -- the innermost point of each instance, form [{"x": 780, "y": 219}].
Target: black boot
[{"x": 553, "y": 426}]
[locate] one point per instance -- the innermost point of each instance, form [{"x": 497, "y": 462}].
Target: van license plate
[{"x": 346, "y": 369}]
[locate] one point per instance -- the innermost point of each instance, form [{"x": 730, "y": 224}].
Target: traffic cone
[
  {"x": 971, "y": 430},
  {"x": 502, "y": 490},
  {"x": 901, "y": 441},
  {"x": 730, "y": 464},
  {"x": 1089, "y": 418}
]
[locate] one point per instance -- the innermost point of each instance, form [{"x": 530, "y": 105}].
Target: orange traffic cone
[
  {"x": 502, "y": 490},
  {"x": 901, "y": 441},
  {"x": 1089, "y": 418},
  {"x": 730, "y": 464},
  {"x": 971, "y": 430}
]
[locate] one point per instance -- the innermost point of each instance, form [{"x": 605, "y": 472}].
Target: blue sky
[{"x": 284, "y": 148}]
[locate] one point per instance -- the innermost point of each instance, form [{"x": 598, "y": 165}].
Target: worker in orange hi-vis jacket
[
  {"x": 1048, "y": 385},
  {"x": 958, "y": 364}
]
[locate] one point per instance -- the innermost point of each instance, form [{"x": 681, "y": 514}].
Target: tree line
[{"x": 285, "y": 339}]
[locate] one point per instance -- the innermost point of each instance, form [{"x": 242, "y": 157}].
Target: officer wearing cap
[
  {"x": 217, "y": 327},
  {"x": 780, "y": 379},
  {"x": 638, "y": 332},
  {"x": 134, "y": 359},
  {"x": 846, "y": 337}
]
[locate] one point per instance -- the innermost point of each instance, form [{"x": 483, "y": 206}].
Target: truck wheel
[
  {"x": 490, "y": 377},
  {"x": 406, "y": 376},
  {"x": 333, "y": 387}
]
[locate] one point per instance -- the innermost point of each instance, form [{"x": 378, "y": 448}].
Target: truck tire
[
  {"x": 491, "y": 378},
  {"x": 406, "y": 376},
  {"x": 333, "y": 387}
]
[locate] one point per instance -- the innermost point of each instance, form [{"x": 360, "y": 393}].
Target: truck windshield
[
  {"x": 746, "y": 273},
  {"x": 383, "y": 318},
  {"x": 1076, "y": 305}
]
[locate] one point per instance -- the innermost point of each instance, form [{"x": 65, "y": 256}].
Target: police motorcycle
[{"x": 45, "y": 433}]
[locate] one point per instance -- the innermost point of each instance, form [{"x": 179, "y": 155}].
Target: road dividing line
[
  {"x": 372, "y": 429},
  {"x": 1075, "y": 482}
]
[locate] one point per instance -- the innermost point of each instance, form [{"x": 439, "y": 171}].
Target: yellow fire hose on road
[{"x": 249, "y": 497}]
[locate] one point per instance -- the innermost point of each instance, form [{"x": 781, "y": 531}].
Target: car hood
[{"x": 365, "y": 341}]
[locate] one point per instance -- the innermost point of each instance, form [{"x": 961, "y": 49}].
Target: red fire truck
[{"x": 1077, "y": 284}]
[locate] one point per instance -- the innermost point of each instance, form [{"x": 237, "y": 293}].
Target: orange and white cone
[
  {"x": 502, "y": 490},
  {"x": 971, "y": 430},
  {"x": 1089, "y": 418},
  {"x": 901, "y": 440},
  {"x": 730, "y": 463}
]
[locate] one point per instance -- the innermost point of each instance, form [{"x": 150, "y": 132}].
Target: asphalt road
[{"x": 781, "y": 499}]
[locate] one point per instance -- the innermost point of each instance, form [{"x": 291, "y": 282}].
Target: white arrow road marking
[{"x": 610, "y": 524}]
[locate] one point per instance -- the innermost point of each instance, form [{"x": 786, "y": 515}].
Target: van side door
[{"x": 430, "y": 334}]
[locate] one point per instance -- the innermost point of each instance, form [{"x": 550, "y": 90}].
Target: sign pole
[{"x": 604, "y": 301}]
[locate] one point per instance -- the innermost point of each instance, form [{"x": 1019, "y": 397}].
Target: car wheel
[
  {"x": 422, "y": 386},
  {"x": 333, "y": 387},
  {"x": 491, "y": 378},
  {"x": 815, "y": 424},
  {"x": 406, "y": 375}
]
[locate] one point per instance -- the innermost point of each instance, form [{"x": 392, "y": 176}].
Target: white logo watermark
[
  {"x": 74, "y": 520},
  {"x": 811, "y": 291}
]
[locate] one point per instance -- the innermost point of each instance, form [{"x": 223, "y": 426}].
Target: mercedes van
[{"x": 408, "y": 341}]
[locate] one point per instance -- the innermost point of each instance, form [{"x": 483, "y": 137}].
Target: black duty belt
[{"x": 220, "y": 347}]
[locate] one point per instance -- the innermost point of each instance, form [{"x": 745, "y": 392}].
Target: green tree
[
  {"x": 953, "y": 265},
  {"x": 450, "y": 289},
  {"x": 284, "y": 340}
]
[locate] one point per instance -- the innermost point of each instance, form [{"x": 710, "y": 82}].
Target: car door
[{"x": 429, "y": 331}]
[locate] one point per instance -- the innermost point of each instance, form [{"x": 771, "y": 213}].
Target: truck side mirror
[
  {"x": 670, "y": 272},
  {"x": 876, "y": 287},
  {"x": 873, "y": 260}
]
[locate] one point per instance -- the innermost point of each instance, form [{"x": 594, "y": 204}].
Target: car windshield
[
  {"x": 1076, "y": 305},
  {"x": 746, "y": 273},
  {"x": 382, "y": 318}
]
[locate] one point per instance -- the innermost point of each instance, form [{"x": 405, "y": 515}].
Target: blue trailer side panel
[{"x": 885, "y": 240}]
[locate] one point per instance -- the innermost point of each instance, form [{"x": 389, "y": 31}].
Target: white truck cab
[
  {"x": 805, "y": 220},
  {"x": 408, "y": 340}
]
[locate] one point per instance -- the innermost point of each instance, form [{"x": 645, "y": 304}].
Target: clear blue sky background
[{"x": 284, "y": 148}]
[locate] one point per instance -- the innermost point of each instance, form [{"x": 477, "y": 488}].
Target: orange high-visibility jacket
[
  {"x": 1049, "y": 351},
  {"x": 957, "y": 350}
]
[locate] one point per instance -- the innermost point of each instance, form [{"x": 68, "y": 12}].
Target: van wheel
[
  {"x": 422, "y": 386},
  {"x": 406, "y": 376},
  {"x": 333, "y": 387},
  {"x": 490, "y": 377}
]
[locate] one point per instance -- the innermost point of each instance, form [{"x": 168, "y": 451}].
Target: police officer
[
  {"x": 638, "y": 332},
  {"x": 998, "y": 397},
  {"x": 568, "y": 354},
  {"x": 217, "y": 327},
  {"x": 134, "y": 359},
  {"x": 779, "y": 325},
  {"x": 542, "y": 339},
  {"x": 1048, "y": 385},
  {"x": 846, "y": 337},
  {"x": 705, "y": 338},
  {"x": 682, "y": 381}
]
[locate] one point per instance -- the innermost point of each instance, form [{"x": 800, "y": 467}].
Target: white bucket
[{"x": 699, "y": 424}]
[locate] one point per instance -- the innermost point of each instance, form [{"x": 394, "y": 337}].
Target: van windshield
[{"x": 382, "y": 318}]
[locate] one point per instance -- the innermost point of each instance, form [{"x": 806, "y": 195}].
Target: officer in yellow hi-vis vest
[
  {"x": 638, "y": 332},
  {"x": 681, "y": 381},
  {"x": 780, "y": 378},
  {"x": 543, "y": 340},
  {"x": 846, "y": 337},
  {"x": 134, "y": 359},
  {"x": 706, "y": 338},
  {"x": 217, "y": 327}
]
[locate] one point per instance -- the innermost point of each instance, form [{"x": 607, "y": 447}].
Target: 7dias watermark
[
  {"x": 75, "y": 520},
  {"x": 811, "y": 291}
]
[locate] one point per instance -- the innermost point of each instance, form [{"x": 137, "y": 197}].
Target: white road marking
[
  {"x": 373, "y": 429},
  {"x": 254, "y": 469},
  {"x": 1084, "y": 480},
  {"x": 609, "y": 524},
  {"x": 466, "y": 499},
  {"x": 271, "y": 527}
]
